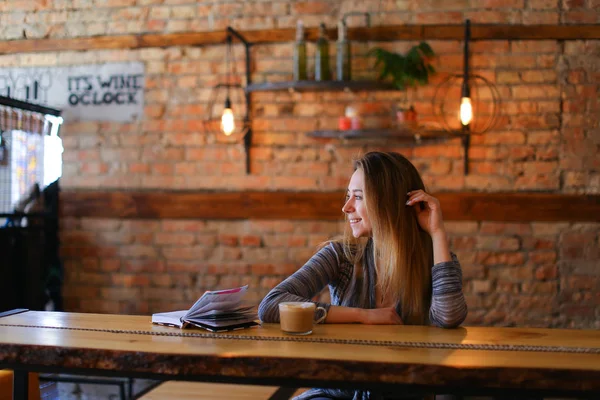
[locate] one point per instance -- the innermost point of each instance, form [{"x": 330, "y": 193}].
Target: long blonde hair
[{"x": 401, "y": 252}]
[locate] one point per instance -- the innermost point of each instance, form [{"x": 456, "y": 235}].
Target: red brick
[
  {"x": 507, "y": 287},
  {"x": 546, "y": 272},
  {"x": 535, "y": 302},
  {"x": 129, "y": 280},
  {"x": 228, "y": 240},
  {"x": 541, "y": 17},
  {"x": 94, "y": 224},
  {"x": 582, "y": 282},
  {"x": 500, "y": 258},
  {"x": 137, "y": 251},
  {"x": 296, "y": 241},
  {"x": 93, "y": 278},
  {"x": 102, "y": 306},
  {"x": 182, "y": 226},
  {"x": 110, "y": 265},
  {"x": 538, "y": 182},
  {"x": 209, "y": 240},
  {"x": 472, "y": 271},
  {"x": 494, "y": 317},
  {"x": 490, "y": 17},
  {"x": 581, "y": 17},
  {"x": 498, "y": 243},
  {"x": 539, "y": 167},
  {"x": 160, "y": 280},
  {"x": 576, "y": 76},
  {"x": 231, "y": 253},
  {"x": 78, "y": 237},
  {"x": 482, "y": 286},
  {"x": 185, "y": 266},
  {"x": 184, "y": 252},
  {"x": 542, "y": 4},
  {"x": 180, "y": 239},
  {"x": 538, "y": 244},
  {"x": 162, "y": 169},
  {"x": 539, "y": 76},
  {"x": 152, "y": 293},
  {"x": 508, "y": 77},
  {"x": 250, "y": 240},
  {"x": 142, "y": 265},
  {"x": 447, "y": 17},
  {"x": 81, "y": 291},
  {"x": 519, "y": 153},
  {"x": 460, "y": 227},
  {"x": 487, "y": 168},
  {"x": 535, "y": 91},
  {"x": 542, "y": 257},
  {"x": 463, "y": 243},
  {"x": 121, "y": 237},
  {"x": 139, "y": 168},
  {"x": 488, "y": 182},
  {"x": 296, "y": 182},
  {"x": 534, "y": 46}
]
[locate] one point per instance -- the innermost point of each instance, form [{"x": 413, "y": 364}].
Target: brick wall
[{"x": 528, "y": 274}]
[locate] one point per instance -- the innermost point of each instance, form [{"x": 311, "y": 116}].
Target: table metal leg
[
  {"x": 20, "y": 385},
  {"x": 122, "y": 391}
]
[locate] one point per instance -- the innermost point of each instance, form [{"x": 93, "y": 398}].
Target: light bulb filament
[
  {"x": 227, "y": 122},
  {"x": 466, "y": 111}
]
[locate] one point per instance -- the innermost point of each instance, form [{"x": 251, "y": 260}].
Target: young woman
[{"x": 393, "y": 265}]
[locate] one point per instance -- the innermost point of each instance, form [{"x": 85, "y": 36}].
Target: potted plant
[{"x": 409, "y": 70}]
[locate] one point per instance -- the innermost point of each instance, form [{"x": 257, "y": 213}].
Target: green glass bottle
[
  {"x": 322, "y": 71},
  {"x": 343, "y": 66},
  {"x": 300, "y": 54}
]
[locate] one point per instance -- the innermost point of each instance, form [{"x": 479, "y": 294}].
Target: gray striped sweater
[{"x": 329, "y": 267}]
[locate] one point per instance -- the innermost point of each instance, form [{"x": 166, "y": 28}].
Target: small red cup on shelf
[{"x": 344, "y": 123}]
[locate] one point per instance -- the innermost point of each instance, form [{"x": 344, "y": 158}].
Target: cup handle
[{"x": 323, "y": 317}]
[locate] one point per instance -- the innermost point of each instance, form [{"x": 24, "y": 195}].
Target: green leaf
[{"x": 405, "y": 70}]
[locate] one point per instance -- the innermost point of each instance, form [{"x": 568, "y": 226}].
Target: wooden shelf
[
  {"x": 302, "y": 86},
  {"x": 315, "y": 205},
  {"x": 409, "y": 135},
  {"x": 283, "y": 35}
]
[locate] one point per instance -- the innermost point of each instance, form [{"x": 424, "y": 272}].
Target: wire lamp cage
[
  {"x": 485, "y": 100},
  {"x": 227, "y": 110},
  {"x": 467, "y": 103}
]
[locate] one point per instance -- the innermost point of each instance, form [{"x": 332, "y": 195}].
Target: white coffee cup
[{"x": 297, "y": 318}]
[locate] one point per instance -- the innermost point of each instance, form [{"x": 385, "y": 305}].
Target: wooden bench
[{"x": 177, "y": 390}]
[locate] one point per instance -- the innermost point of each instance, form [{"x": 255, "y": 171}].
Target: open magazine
[{"x": 216, "y": 311}]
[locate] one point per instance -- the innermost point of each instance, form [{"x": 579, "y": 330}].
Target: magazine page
[
  {"x": 237, "y": 313},
  {"x": 172, "y": 318},
  {"x": 218, "y": 300}
]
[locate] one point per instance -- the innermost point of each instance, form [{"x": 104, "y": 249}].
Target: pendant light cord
[{"x": 228, "y": 55}]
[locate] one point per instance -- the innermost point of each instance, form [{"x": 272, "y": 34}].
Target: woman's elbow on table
[
  {"x": 451, "y": 321},
  {"x": 268, "y": 309}
]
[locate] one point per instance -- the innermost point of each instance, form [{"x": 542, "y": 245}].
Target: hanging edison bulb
[
  {"x": 227, "y": 114},
  {"x": 466, "y": 108},
  {"x": 227, "y": 119},
  {"x": 479, "y": 110},
  {"x": 466, "y": 111}
]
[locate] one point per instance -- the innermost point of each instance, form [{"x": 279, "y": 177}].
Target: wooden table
[{"x": 473, "y": 360}]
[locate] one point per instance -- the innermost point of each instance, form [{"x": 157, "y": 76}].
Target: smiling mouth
[{"x": 355, "y": 220}]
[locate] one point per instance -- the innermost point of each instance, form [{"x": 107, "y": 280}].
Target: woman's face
[{"x": 355, "y": 207}]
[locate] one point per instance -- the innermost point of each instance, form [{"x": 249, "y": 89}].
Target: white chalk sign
[{"x": 97, "y": 92}]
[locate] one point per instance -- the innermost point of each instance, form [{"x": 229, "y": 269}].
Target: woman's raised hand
[
  {"x": 429, "y": 216},
  {"x": 380, "y": 316}
]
